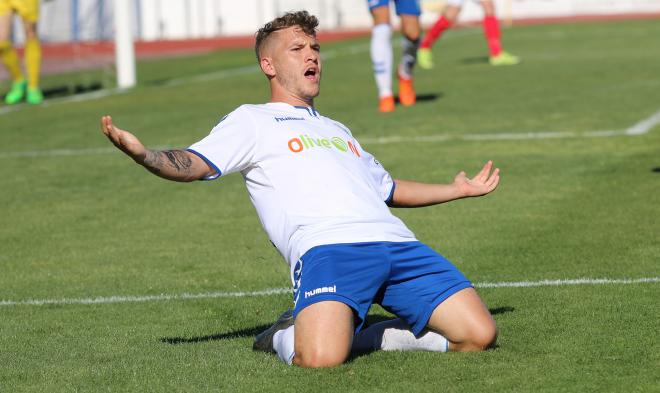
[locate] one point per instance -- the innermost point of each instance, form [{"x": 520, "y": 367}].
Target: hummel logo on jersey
[
  {"x": 279, "y": 119},
  {"x": 332, "y": 289},
  {"x": 303, "y": 142}
]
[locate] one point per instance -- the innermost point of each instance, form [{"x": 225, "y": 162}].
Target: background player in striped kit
[{"x": 381, "y": 50}]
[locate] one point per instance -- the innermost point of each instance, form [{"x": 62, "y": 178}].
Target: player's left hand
[{"x": 481, "y": 184}]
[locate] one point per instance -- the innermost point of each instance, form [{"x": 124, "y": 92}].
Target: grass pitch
[{"x": 578, "y": 198}]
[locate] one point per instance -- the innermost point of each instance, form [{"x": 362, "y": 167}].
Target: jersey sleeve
[
  {"x": 231, "y": 145},
  {"x": 382, "y": 179}
]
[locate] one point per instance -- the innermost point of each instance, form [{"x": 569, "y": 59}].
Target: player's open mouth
[{"x": 312, "y": 74}]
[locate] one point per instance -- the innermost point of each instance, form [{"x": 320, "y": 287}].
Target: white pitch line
[
  {"x": 385, "y": 140},
  {"x": 505, "y": 136},
  {"x": 645, "y": 125},
  {"x": 280, "y": 291},
  {"x": 566, "y": 282},
  {"x": 69, "y": 152},
  {"x": 639, "y": 128},
  {"x": 511, "y": 136},
  {"x": 148, "y": 298},
  {"x": 59, "y": 152}
]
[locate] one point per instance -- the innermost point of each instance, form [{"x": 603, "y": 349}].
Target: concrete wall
[{"x": 92, "y": 20}]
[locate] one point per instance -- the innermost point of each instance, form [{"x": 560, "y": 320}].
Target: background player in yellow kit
[{"x": 21, "y": 86}]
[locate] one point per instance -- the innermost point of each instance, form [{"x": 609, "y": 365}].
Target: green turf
[{"x": 85, "y": 223}]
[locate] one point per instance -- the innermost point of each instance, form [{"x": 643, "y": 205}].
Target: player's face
[{"x": 297, "y": 63}]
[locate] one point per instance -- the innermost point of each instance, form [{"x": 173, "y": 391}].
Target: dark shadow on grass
[
  {"x": 423, "y": 97},
  {"x": 501, "y": 310},
  {"x": 371, "y": 319},
  {"x": 656, "y": 169},
  {"x": 475, "y": 60},
  {"x": 67, "y": 90},
  {"x": 251, "y": 332},
  {"x": 158, "y": 82}
]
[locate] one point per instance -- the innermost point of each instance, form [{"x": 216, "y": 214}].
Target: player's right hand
[{"x": 124, "y": 140}]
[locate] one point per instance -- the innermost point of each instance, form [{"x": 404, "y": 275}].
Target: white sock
[
  {"x": 408, "y": 57},
  {"x": 381, "y": 57},
  {"x": 395, "y": 335},
  {"x": 283, "y": 343}
]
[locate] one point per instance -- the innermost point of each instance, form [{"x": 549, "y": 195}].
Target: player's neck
[
  {"x": 293, "y": 101},
  {"x": 279, "y": 94}
]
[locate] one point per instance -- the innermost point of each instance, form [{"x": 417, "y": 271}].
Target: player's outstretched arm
[
  {"x": 414, "y": 194},
  {"x": 177, "y": 165}
]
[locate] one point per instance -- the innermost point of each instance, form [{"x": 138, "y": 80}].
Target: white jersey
[{"x": 308, "y": 178}]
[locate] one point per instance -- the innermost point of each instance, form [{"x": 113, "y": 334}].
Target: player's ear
[{"x": 267, "y": 66}]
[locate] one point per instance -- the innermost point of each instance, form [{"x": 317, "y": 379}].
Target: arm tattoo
[
  {"x": 179, "y": 160},
  {"x": 153, "y": 161},
  {"x": 167, "y": 160}
]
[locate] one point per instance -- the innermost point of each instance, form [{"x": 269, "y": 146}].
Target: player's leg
[
  {"x": 279, "y": 338},
  {"x": 465, "y": 322},
  {"x": 445, "y": 22},
  {"x": 320, "y": 336},
  {"x": 381, "y": 53},
  {"x": 396, "y": 335},
  {"x": 33, "y": 63},
  {"x": 429, "y": 293},
  {"x": 30, "y": 15},
  {"x": 323, "y": 334},
  {"x": 491, "y": 28},
  {"x": 9, "y": 56},
  {"x": 409, "y": 12},
  {"x": 459, "y": 323},
  {"x": 493, "y": 36},
  {"x": 334, "y": 286},
  {"x": 410, "y": 30}
]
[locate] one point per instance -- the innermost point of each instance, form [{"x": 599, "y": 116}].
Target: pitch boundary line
[
  {"x": 280, "y": 291},
  {"x": 640, "y": 128}
]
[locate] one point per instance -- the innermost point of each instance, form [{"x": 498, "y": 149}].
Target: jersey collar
[{"x": 309, "y": 109}]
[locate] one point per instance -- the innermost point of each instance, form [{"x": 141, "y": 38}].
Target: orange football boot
[
  {"x": 386, "y": 104},
  {"x": 407, "y": 96}
]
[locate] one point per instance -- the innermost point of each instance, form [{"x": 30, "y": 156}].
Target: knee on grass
[
  {"x": 319, "y": 358},
  {"x": 478, "y": 339}
]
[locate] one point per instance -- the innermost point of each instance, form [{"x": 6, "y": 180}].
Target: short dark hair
[{"x": 302, "y": 19}]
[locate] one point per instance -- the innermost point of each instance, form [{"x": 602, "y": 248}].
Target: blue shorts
[
  {"x": 402, "y": 7},
  {"x": 408, "y": 279}
]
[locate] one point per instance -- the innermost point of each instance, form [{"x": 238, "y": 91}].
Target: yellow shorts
[{"x": 27, "y": 9}]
